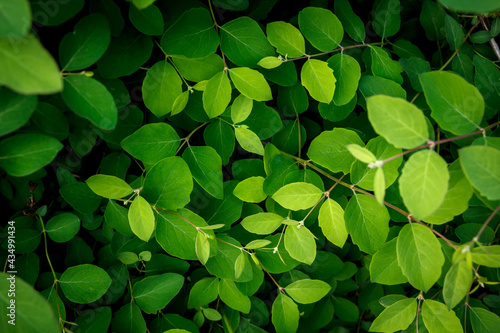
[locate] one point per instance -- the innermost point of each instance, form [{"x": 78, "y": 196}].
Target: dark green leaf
[{"x": 84, "y": 283}]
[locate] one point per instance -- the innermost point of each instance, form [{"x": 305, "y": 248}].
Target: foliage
[{"x": 250, "y": 166}]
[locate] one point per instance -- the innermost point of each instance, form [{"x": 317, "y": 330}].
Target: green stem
[
  {"x": 186, "y": 139},
  {"x": 213, "y": 16},
  {"x": 456, "y": 51},
  {"x": 342, "y": 48}
]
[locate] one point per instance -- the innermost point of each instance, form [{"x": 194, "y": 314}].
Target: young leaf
[
  {"x": 384, "y": 268},
  {"x": 212, "y": 314},
  {"x": 222, "y": 264},
  {"x": 250, "y": 190},
  {"x": 438, "y": 319},
  {"x": 110, "y": 187},
  {"x": 396, "y": 317},
  {"x": 367, "y": 222},
  {"x": 128, "y": 258},
  {"x": 457, "y": 283},
  {"x": 331, "y": 222},
  {"x": 233, "y": 297},
  {"x": 248, "y": 140},
  {"x": 456, "y": 105},
  {"x": 241, "y": 108},
  {"x": 239, "y": 265},
  {"x": 141, "y": 218},
  {"x": 300, "y": 243},
  {"x": 23, "y": 154},
  {"x": 244, "y": 43},
  {"x": 350, "y": 21},
  {"x": 386, "y": 18},
  {"x": 160, "y": 88},
  {"x": 203, "y": 292},
  {"x": 251, "y": 83},
  {"x": 329, "y": 149},
  {"x": 347, "y": 73},
  {"x": 84, "y": 283},
  {"x": 206, "y": 167},
  {"x": 488, "y": 256},
  {"x": 270, "y": 62},
  {"x": 91, "y": 100},
  {"x": 307, "y": 291},
  {"x": 202, "y": 247},
  {"x": 257, "y": 244},
  {"x": 424, "y": 183},
  {"x": 297, "y": 196},
  {"x": 285, "y": 314},
  {"x": 199, "y": 69},
  {"x": 193, "y": 35},
  {"x": 217, "y": 95},
  {"x": 321, "y": 28},
  {"x": 152, "y": 142},
  {"x": 153, "y": 293},
  {"x": 287, "y": 39},
  {"x": 379, "y": 185},
  {"x": 481, "y": 165},
  {"x": 399, "y": 122},
  {"x": 361, "y": 153},
  {"x": 180, "y": 103},
  {"x": 318, "y": 79},
  {"x": 419, "y": 256},
  {"x": 262, "y": 223}
]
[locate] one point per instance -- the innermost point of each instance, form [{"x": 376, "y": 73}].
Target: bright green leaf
[
  {"x": 250, "y": 83},
  {"x": 318, "y": 79},
  {"x": 481, "y": 165},
  {"x": 141, "y": 218},
  {"x": 262, "y": 223},
  {"x": 321, "y": 28},
  {"x": 110, "y": 187},
  {"x": 241, "y": 108},
  {"x": 270, "y": 62},
  {"x": 457, "y": 283},
  {"x": 396, "y": 317},
  {"x": 84, "y": 283},
  {"x": 250, "y": 190},
  {"x": 488, "y": 256},
  {"x": 248, "y": 140},
  {"x": 347, "y": 73},
  {"x": 384, "y": 268},
  {"x": 217, "y": 95},
  {"x": 285, "y": 314},
  {"x": 331, "y": 221},
  {"x": 203, "y": 292},
  {"x": 438, "y": 319},
  {"x": 297, "y": 196},
  {"x": 307, "y": 291},
  {"x": 233, "y": 297},
  {"x": 300, "y": 243},
  {"x": 202, "y": 247},
  {"x": 287, "y": 39},
  {"x": 483, "y": 321}
]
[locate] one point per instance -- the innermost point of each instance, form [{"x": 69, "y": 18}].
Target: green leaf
[
  {"x": 386, "y": 17},
  {"x": 197, "y": 70},
  {"x": 321, "y": 28},
  {"x": 345, "y": 309},
  {"x": 239, "y": 265},
  {"x": 367, "y": 222},
  {"x": 488, "y": 256},
  {"x": 168, "y": 184},
  {"x": 15, "y": 18},
  {"x": 414, "y": 66},
  {"x": 331, "y": 222},
  {"x": 141, "y": 218},
  {"x": 293, "y": 100},
  {"x": 142, "y": 4},
  {"x": 16, "y": 110},
  {"x": 300, "y": 243},
  {"x": 347, "y": 73},
  {"x": 384, "y": 268},
  {"x": 233, "y": 297},
  {"x": 28, "y": 68},
  {"x": 481, "y": 166},
  {"x": 206, "y": 167},
  {"x": 285, "y": 314},
  {"x": 33, "y": 313},
  {"x": 90, "y": 99},
  {"x": 241, "y": 108},
  {"x": 63, "y": 227},
  {"x": 464, "y": 6},
  {"x": 152, "y": 142},
  {"x": 244, "y": 43},
  {"x": 487, "y": 74},
  {"x": 457, "y": 283},
  {"x": 193, "y": 35},
  {"x": 262, "y": 223},
  {"x": 432, "y": 19},
  {"x": 223, "y": 265},
  {"x": 220, "y": 136},
  {"x": 456, "y": 105},
  {"x": 84, "y": 283},
  {"x": 149, "y": 20},
  {"x": 379, "y": 185},
  {"x": 257, "y": 244},
  {"x": 396, "y": 317},
  {"x": 110, "y": 187},
  {"x": 129, "y": 319},
  {"x": 398, "y": 121},
  {"x": 80, "y": 197},
  {"x": 454, "y": 32},
  {"x": 153, "y": 293},
  {"x": 329, "y": 149},
  {"x": 248, "y": 140},
  {"x": 350, "y": 21},
  {"x": 318, "y": 79},
  {"x": 131, "y": 47},
  {"x": 270, "y": 62},
  {"x": 307, "y": 291},
  {"x": 56, "y": 13},
  {"x": 177, "y": 236},
  {"x": 116, "y": 217},
  {"x": 203, "y": 292},
  {"x": 287, "y": 39},
  {"x": 384, "y": 66},
  {"x": 217, "y": 95},
  {"x": 128, "y": 258},
  {"x": 438, "y": 319},
  {"x": 251, "y": 83},
  {"x": 86, "y": 44},
  {"x": 202, "y": 247},
  {"x": 361, "y": 153},
  {"x": 160, "y": 88},
  {"x": 211, "y": 314},
  {"x": 23, "y": 154},
  {"x": 297, "y": 196},
  {"x": 419, "y": 256},
  {"x": 376, "y": 85},
  {"x": 483, "y": 321},
  {"x": 250, "y": 190},
  {"x": 263, "y": 121},
  {"x": 424, "y": 183}
]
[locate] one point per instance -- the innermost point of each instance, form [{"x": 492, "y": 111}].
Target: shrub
[{"x": 250, "y": 166}]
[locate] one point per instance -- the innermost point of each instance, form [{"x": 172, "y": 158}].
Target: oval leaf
[
  {"x": 84, "y": 283},
  {"x": 297, "y": 196},
  {"x": 110, "y": 187}
]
